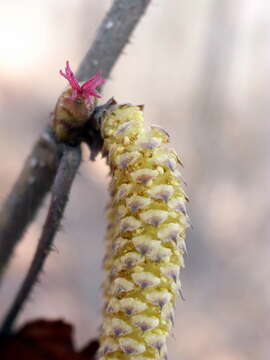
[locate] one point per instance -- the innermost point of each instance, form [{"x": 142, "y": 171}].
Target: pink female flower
[{"x": 86, "y": 90}]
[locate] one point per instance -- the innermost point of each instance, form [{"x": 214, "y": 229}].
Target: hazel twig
[
  {"x": 28, "y": 193},
  {"x": 112, "y": 36},
  {"x": 25, "y": 199},
  {"x": 60, "y": 191}
]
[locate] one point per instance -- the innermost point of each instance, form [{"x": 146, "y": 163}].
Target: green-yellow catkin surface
[{"x": 147, "y": 222}]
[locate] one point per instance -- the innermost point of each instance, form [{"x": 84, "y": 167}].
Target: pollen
[
  {"x": 145, "y": 279},
  {"x": 120, "y": 327},
  {"x": 154, "y": 217},
  {"x": 121, "y": 284},
  {"x": 144, "y": 176},
  {"x": 178, "y": 204},
  {"x": 137, "y": 202},
  {"x": 118, "y": 244},
  {"x": 171, "y": 271},
  {"x": 148, "y": 142},
  {"x": 144, "y": 322},
  {"x": 169, "y": 232},
  {"x": 123, "y": 191},
  {"x": 130, "y": 259},
  {"x": 121, "y": 211},
  {"x": 130, "y": 346},
  {"x": 139, "y": 358},
  {"x": 108, "y": 346},
  {"x": 145, "y": 245},
  {"x": 113, "y": 306},
  {"x": 129, "y": 223},
  {"x": 161, "y": 192},
  {"x": 159, "y": 298},
  {"x": 126, "y": 159},
  {"x": 131, "y": 306},
  {"x": 155, "y": 340},
  {"x": 159, "y": 253}
]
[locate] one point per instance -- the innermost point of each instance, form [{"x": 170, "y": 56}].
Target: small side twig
[
  {"x": 24, "y": 199},
  {"x": 60, "y": 191},
  {"x": 28, "y": 193}
]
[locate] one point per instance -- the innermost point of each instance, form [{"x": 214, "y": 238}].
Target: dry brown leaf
[{"x": 44, "y": 340}]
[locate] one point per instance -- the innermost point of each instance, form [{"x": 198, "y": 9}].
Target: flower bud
[{"x": 74, "y": 107}]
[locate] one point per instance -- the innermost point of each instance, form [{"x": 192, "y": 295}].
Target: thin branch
[
  {"x": 26, "y": 198},
  {"x": 60, "y": 191},
  {"x": 112, "y": 35},
  {"x": 28, "y": 193}
]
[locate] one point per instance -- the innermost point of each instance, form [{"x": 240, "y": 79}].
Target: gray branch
[
  {"x": 60, "y": 191},
  {"x": 28, "y": 193},
  {"x": 26, "y": 197},
  {"x": 113, "y": 34}
]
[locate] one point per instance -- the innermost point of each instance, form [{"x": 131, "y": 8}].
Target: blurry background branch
[{"x": 39, "y": 170}]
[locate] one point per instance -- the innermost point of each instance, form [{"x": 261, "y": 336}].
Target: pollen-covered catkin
[{"x": 145, "y": 244}]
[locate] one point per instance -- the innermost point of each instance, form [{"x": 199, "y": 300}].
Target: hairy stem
[
  {"x": 28, "y": 193},
  {"x": 112, "y": 35},
  {"x": 25, "y": 199},
  {"x": 60, "y": 191}
]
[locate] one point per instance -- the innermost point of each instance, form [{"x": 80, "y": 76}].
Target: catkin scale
[{"x": 145, "y": 244}]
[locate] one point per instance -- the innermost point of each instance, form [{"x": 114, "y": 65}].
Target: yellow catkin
[{"x": 145, "y": 243}]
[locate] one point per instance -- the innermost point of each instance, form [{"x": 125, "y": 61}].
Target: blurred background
[{"x": 202, "y": 68}]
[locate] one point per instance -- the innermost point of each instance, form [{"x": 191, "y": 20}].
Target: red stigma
[{"x": 86, "y": 90}]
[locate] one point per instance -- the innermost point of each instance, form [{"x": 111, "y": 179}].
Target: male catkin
[{"x": 147, "y": 222}]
